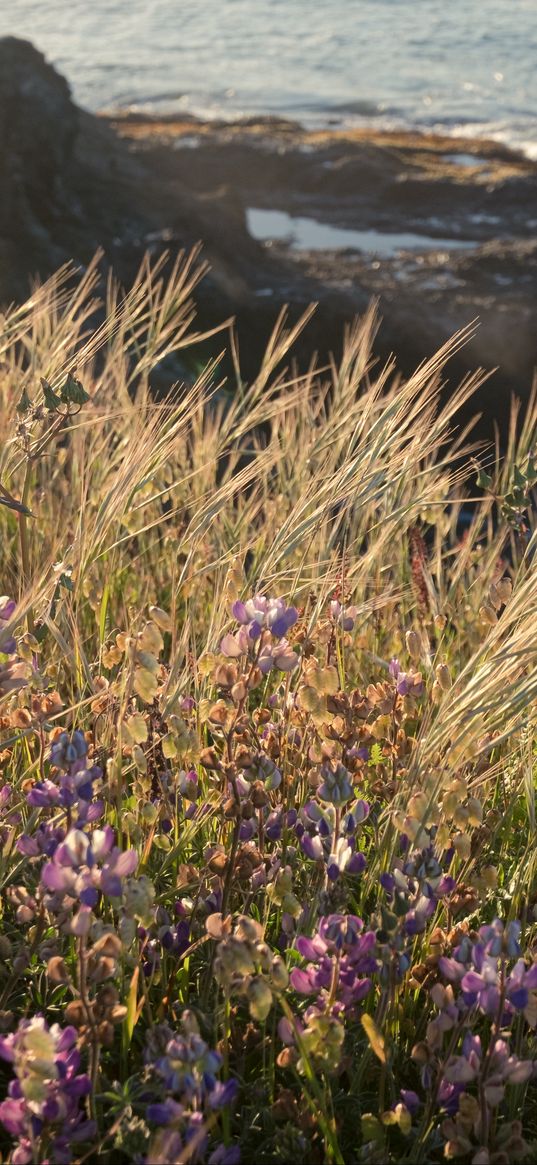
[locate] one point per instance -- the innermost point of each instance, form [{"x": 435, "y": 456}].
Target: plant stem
[{"x": 24, "y": 543}]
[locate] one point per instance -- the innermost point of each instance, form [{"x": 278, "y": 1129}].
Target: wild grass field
[{"x": 268, "y": 693}]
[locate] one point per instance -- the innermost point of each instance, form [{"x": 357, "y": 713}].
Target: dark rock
[{"x": 38, "y": 126}]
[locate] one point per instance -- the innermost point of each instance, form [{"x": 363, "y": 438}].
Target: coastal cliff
[{"x": 440, "y": 231}]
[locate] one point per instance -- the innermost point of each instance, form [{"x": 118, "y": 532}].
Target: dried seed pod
[
  {"x": 150, "y": 639},
  {"x": 475, "y": 811},
  {"x": 57, "y": 970},
  {"x": 225, "y": 675},
  {"x": 258, "y": 795},
  {"x": 487, "y": 614},
  {"x": 505, "y": 589},
  {"x": 413, "y": 645},
  {"x": 462, "y": 844},
  {"x": 495, "y": 597},
  {"x": 436, "y": 692},
  {"x": 161, "y": 618},
  {"x": 231, "y": 809},
  {"x": 209, "y": 759},
  {"x": 109, "y": 945},
  {"x": 239, "y": 692},
  {"x": 443, "y": 676}
]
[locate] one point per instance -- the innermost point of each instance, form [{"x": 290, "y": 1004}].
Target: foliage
[{"x": 268, "y": 682}]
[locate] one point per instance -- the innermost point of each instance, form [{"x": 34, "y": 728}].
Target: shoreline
[
  {"x": 373, "y": 126},
  {"x": 140, "y": 123}
]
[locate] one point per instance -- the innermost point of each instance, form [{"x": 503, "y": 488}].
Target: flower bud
[
  {"x": 139, "y": 758},
  {"x": 259, "y": 999}
]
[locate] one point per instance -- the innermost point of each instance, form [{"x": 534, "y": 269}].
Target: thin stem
[{"x": 24, "y": 543}]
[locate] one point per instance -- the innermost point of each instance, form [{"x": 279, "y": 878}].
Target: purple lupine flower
[
  {"x": 344, "y": 616},
  {"x": 336, "y": 786},
  {"x": 410, "y": 1099},
  {"x": 262, "y": 768},
  {"x": 73, "y": 781},
  {"x": 185, "y": 1073},
  {"x": 225, "y": 1155},
  {"x": 262, "y": 612},
  {"x": 43, "y": 842},
  {"x": 46, "y": 1093},
  {"x": 264, "y": 623},
  {"x": 82, "y": 866},
  {"x": 66, "y": 751},
  {"x": 409, "y": 684},
  {"x": 279, "y": 655},
  {"x": 479, "y": 968},
  {"x": 315, "y": 830},
  {"x": 338, "y": 935}
]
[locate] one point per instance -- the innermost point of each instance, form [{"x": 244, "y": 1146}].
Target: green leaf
[
  {"x": 484, "y": 481},
  {"x": 24, "y": 403},
  {"x": 309, "y": 699},
  {"x": 376, "y": 756},
  {"x": 325, "y": 680},
  {"x": 73, "y": 392},
  {"x": 376, "y": 1039},
  {"x": 136, "y": 726},
  {"x": 371, "y": 1129},
  {"x": 52, "y": 400},
  {"x": 145, "y": 684},
  {"x": 132, "y": 1015}
]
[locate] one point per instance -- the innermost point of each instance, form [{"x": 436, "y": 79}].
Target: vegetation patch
[{"x": 268, "y": 682}]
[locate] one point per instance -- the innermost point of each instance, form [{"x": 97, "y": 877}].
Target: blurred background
[{"x": 334, "y": 152}]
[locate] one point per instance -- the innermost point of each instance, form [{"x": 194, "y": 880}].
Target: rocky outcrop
[
  {"x": 471, "y": 206},
  {"x": 38, "y": 127}
]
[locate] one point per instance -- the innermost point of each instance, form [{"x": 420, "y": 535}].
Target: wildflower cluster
[
  {"x": 263, "y": 851},
  {"x": 45, "y": 1100},
  {"x": 264, "y": 624},
  {"x": 183, "y": 1077}
]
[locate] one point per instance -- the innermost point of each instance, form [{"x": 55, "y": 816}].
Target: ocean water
[{"x": 465, "y": 67}]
